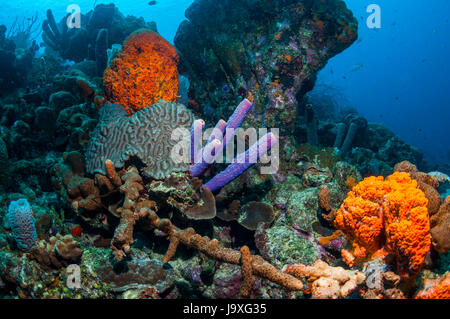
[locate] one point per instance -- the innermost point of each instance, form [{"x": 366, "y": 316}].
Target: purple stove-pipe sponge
[
  {"x": 242, "y": 162},
  {"x": 20, "y": 219},
  {"x": 200, "y": 163},
  {"x": 236, "y": 120},
  {"x": 196, "y": 135},
  {"x": 233, "y": 123},
  {"x": 216, "y": 134}
]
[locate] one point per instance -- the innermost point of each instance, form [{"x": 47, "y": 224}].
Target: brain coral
[
  {"x": 144, "y": 72},
  {"x": 20, "y": 219},
  {"x": 387, "y": 218},
  {"x": 146, "y": 135}
]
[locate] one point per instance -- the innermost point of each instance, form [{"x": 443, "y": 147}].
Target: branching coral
[
  {"x": 131, "y": 187},
  {"x": 134, "y": 209},
  {"x": 247, "y": 273},
  {"x": 144, "y": 72},
  {"x": 68, "y": 178},
  {"x": 213, "y": 249},
  {"x": 386, "y": 217}
]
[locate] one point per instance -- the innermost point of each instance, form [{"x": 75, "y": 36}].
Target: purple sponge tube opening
[
  {"x": 199, "y": 165},
  {"x": 196, "y": 135}
]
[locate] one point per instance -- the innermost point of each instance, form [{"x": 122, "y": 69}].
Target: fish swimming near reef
[{"x": 356, "y": 67}]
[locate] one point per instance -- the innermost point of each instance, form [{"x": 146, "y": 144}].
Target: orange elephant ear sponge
[
  {"x": 386, "y": 218},
  {"x": 144, "y": 71}
]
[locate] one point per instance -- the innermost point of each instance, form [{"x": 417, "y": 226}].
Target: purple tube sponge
[
  {"x": 20, "y": 219},
  {"x": 235, "y": 121},
  {"x": 242, "y": 162},
  {"x": 196, "y": 135},
  {"x": 216, "y": 134}
]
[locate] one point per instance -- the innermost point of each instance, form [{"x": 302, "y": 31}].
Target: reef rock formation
[{"x": 267, "y": 49}]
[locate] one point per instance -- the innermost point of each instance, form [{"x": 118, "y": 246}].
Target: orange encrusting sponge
[
  {"x": 386, "y": 218},
  {"x": 439, "y": 289},
  {"x": 144, "y": 71}
]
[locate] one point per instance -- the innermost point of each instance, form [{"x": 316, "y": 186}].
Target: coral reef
[
  {"x": 144, "y": 72},
  {"x": 270, "y": 49},
  {"x": 123, "y": 235},
  {"x": 99, "y": 30},
  {"x": 111, "y": 173},
  {"x": 212, "y": 248}
]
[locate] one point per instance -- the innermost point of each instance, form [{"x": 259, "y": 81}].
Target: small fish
[
  {"x": 152, "y": 3},
  {"x": 356, "y": 67}
]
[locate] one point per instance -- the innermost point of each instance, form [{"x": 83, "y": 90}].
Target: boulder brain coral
[
  {"x": 386, "y": 218},
  {"x": 144, "y": 72},
  {"x": 146, "y": 134}
]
